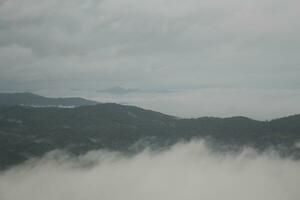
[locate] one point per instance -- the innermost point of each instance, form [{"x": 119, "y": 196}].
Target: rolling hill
[
  {"x": 27, "y": 131},
  {"x": 31, "y": 99}
]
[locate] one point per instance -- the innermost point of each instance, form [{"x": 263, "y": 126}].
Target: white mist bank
[{"x": 186, "y": 171}]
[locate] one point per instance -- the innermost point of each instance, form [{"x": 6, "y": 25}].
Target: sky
[{"x": 79, "y": 47}]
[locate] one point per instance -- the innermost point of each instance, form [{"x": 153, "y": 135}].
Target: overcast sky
[{"x": 92, "y": 45}]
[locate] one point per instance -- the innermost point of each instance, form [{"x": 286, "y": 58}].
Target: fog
[{"x": 185, "y": 171}]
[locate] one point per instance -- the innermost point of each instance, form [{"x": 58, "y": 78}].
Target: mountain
[
  {"x": 36, "y": 100},
  {"x": 125, "y": 91},
  {"x": 27, "y": 132},
  {"x": 119, "y": 91}
]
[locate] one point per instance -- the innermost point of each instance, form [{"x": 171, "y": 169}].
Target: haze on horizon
[{"x": 217, "y": 57}]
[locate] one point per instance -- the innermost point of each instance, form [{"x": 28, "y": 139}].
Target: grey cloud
[
  {"x": 93, "y": 45},
  {"x": 71, "y": 25}
]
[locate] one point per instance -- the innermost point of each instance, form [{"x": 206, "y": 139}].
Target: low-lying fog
[{"x": 186, "y": 171}]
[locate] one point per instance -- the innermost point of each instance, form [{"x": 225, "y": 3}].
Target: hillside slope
[
  {"x": 26, "y": 132},
  {"x": 30, "y": 99}
]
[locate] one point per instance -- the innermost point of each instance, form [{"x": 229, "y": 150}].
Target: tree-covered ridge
[
  {"x": 29, "y": 131},
  {"x": 31, "y": 99}
]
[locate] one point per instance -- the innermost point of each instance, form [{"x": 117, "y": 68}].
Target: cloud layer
[
  {"x": 186, "y": 171},
  {"x": 162, "y": 44}
]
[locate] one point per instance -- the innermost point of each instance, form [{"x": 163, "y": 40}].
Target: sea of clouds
[{"x": 188, "y": 170}]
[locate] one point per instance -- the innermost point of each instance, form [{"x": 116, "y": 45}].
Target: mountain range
[
  {"x": 31, "y": 99},
  {"x": 31, "y": 131}
]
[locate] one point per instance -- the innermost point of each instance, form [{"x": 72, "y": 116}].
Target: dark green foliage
[
  {"x": 36, "y": 100},
  {"x": 28, "y": 131}
]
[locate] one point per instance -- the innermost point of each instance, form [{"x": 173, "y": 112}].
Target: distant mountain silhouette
[
  {"x": 36, "y": 100},
  {"x": 125, "y": 91},
  {"x": 27, "y": 132},
  {"x": 120, "y": 91}
]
